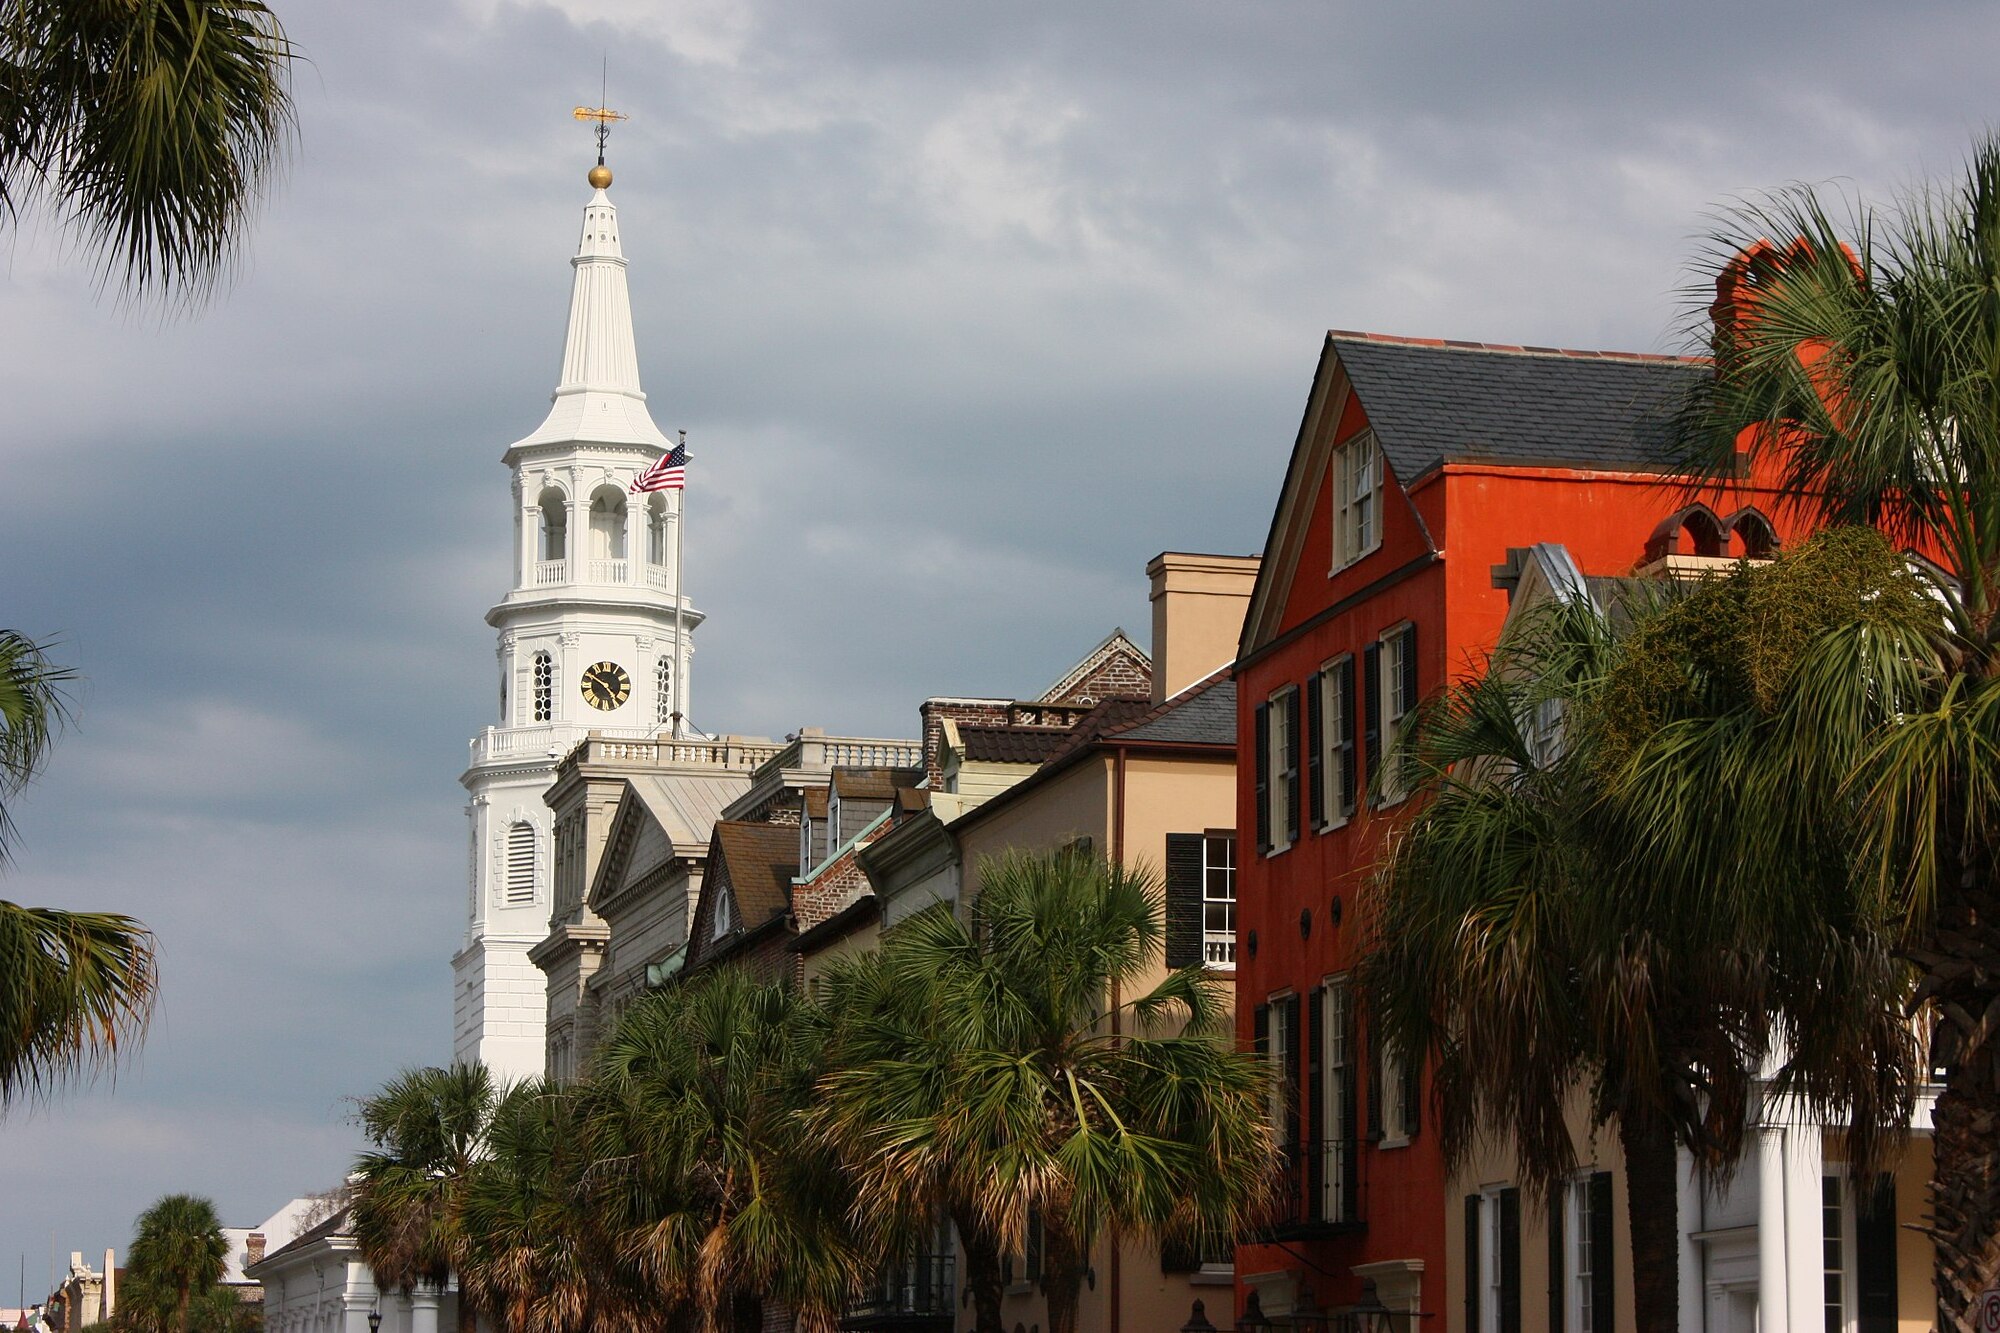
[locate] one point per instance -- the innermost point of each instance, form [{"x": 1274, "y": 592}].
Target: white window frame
[
  {"x": 1392, "y": 708},
  {"x": 512, "y": 848},
  {"x": 1835, "y": 1177},
  {"x": 1276, "y": 1044},
  {"x": 723, "y": 919},
  {"x": 1278, "y": 791},
  {"x": 1357, "y": 500},
  {"x": 1395, "y": 1115},
  {"x": 542, "y": 681},
  {"x": 1579, "y": 1263},
  {"x": 1336, "y": 1072},
  {"x": 1332, "y": 742},
  {"x": 1491, "y": 1280},
  {"x": 1218, "y": 948},
  {"x": 663, "y": 691}
]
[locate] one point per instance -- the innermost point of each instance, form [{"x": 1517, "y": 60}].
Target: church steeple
[{"x": 598, "y": 396}]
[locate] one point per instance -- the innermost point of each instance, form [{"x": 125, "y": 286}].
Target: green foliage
[
  {"x": 1013, "y": 1064},
  {"x": 177, "y": 1254},
  {"x": 526, "y": 1254},
  {"x": 428, "y": 1127},
  {"x": 146, "y": 125}
]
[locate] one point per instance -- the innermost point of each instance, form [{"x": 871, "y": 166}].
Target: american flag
[{"x": 669, "y": 474}]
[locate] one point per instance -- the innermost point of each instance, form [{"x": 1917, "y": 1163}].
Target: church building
[{"x": 590, "y": 639}]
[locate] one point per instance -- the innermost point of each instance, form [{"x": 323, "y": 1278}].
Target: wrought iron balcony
[
  {"x": 916, "y": 1294},
  {"x": 1317, "y": 1192}
]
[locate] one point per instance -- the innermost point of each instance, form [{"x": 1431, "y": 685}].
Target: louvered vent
[{"x": 520, "y": 864}]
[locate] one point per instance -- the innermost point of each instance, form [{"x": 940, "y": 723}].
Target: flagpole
[{"x": 680, "y": 639}]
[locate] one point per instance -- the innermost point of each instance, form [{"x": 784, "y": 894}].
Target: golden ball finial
[{"x": 600, "y": 177}]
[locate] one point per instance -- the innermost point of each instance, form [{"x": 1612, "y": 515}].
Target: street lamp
[
  {"x": 375, "y": 1320},
  {"x": 1307, "y": 1317},
  {"x": 1198, "y": 1320},
  {"x": 1254, "y": 1319},
  {"x": 1370, "y": 1315}
]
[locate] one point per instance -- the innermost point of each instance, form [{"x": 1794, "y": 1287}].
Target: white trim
[{"x": 1359, "y": 461}]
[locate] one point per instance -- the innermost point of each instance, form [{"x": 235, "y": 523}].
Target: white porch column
[
  {"x": 424, "y": 1309},
  {"x": 1772, "y": 1308},
  {"x": 1688, "y": 1206},
  {"x": 1805, "y": 1259}
]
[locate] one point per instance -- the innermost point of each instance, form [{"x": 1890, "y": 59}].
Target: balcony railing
[
  {"x": 551, "y": 571},
  {"x": 1318, "y": 1188},
  {"x": 1218, "y": 948},
  {"x": 607, "y": 571},
  {"x": 912, "y": 1293},
  {"x": 656, "y": 577}
]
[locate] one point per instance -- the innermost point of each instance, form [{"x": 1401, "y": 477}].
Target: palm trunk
[
  {"x": 1652, "y": 1209},
  {"x": 1062, "y": 1277},
  {"x": 181, "y": 1307},
  {"x": 466, "y": 1318},
  {"x": 1964, "y": 962},
  {"x": 982, "y": 1275}
]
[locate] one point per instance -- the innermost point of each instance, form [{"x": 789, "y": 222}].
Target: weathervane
[{"x": 600, "y": 175}]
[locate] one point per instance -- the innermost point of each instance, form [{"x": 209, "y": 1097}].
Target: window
[
  {"x": 1833, "y": 1237},
  {"x": 1583, "y": 1259},
  {"x": 1278, "y": 771},
  {"x": 1333, "y": 795},
  {"x": 663, "y": 691},
  {"x": 1397, "y": 1122},
  {"x": 1357, "y": 500},
  {"x": 1580, "y": 1220},
  {"x": 1493, "y": 1260},
  {"x": 520, "y": 868},
  {"x": 1279, "y": 1050},
  {"x": 725, "y": 913},
  {"x": 1218, "y": 900},
  {"x": 1337, "y": 1094},
  {"x": 1396, "y": 691},
  {"x": 545, "y": 687}
]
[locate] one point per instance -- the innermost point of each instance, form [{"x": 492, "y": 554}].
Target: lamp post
[
  {"x": 1370, "y": 1315},
  {"x": 1198, "y": 1320},
  {"x": 375, "y": 1319},
  {"x": 1307, "y": 1317},
  {"x": 1254, "y": 1319}
]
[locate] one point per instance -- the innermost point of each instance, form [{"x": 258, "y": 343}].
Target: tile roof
[
  {"x": 1431, "y": 401},
  {"x": 1203, "y": 714},
  {"x": 762, "y": 858},
  {"x": 1106, "y": 717},
  {"x": 1011, "y": 745},
  {"x": 873, "y": 784}
]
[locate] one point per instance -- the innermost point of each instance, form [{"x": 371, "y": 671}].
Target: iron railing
[{"x": 918, "y": 1288}]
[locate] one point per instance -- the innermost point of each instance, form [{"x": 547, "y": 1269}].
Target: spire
[{"x": 598, "y": 398}]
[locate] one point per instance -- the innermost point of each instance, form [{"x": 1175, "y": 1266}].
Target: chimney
[
  {"x": 110, "y": 1286},
  {"x": 253, "y": 1247},
  {"x": 1199, "y": 602}
]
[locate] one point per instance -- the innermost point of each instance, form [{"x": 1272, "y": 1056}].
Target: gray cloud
[{"x": 968, "y": 311}]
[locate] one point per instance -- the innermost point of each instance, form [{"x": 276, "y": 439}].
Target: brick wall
[{"x": 978, "y": 712}]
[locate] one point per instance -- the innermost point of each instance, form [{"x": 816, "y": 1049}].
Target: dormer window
[
  {"x": 725, "y": 913},
  {"x": 1357, "y": 499}
]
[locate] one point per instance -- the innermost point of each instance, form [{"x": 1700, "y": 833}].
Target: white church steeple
[{"x": 588, "y": 639}]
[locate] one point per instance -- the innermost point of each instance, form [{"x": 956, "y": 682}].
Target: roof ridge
[{"x": 1516, "y": 349}]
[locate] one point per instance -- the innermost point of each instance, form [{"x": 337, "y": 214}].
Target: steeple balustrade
[{"x": 551, "y": 571}]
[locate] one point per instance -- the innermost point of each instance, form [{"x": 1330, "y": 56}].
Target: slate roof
[
  {"x": 762, "y": 858},
  {"x": 1011, "y": 745},
  {"x": 1204, "y": 714},
  {"x": 1431, "y": 402}
]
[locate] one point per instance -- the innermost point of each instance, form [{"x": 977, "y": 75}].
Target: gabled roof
[
  {"x": 1432, "y": 402},
  {"x": 759, "y": 861},
  {"x": 1116, "y": 643}
]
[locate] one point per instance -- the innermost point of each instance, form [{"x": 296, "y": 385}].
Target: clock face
[{"x": 606, "y": 685}]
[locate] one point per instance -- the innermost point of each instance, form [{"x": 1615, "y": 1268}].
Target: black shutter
[
  {"x": 1260, "y": 1029},
  {"x": 1603, "y": 1313},
  {"x": 1875, "y": 1257},
  {"x": 1472, "y": 1202},
  {"x": 1510, "y": 1261},
  {"x": 1184, "y": 871},
  {"x": 1409, "y": 694},
  {"x": 1558, "y": 1259},
  {"x": 1350, "y": 1121},
  {"x": 1371, "y": 709},
  {"x": 1292, "y": 1074},
  {"x": 1292, "y": 765},
  {"x": 1347, "y": 750},
  {"x": 1315, "y": 791},
  {"x": 1413, "y": 1094},
  {"x": 1262, "y": 716},
  {"x": 1374, "y": 1080},
  {"x": 1316, "y": 1104}
]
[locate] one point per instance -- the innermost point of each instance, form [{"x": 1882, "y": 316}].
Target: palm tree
[
  {"x": 1022, "y": 1077},
  {"x": 429, "y": 1128},
  {"x": 526, "y": 1261},
  {"x": 1865, "y": 360},
  {"x": 710, "y": 1200},
  {"x": 75, "y": 987},
  {"x": 147, "y": 125},
  {"x": 1518, "y": 941},
  {"x": 178, "y": 1248}
]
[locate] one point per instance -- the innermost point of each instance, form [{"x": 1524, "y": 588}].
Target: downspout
[{"x": 1116, "y": 1292}]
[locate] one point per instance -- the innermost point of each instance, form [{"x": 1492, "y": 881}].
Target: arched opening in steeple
[
  {"x": 656, "y": 538},
  {"x": 607, "y": 531},
  {"x": 663, "y": 691},
  {"x": 555, "y": 524}
]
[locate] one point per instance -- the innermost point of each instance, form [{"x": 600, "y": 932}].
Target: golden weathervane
[{"x": 605, "y": 117}]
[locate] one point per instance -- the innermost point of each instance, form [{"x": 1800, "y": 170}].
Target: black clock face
[{"x": 606, "y": 686}]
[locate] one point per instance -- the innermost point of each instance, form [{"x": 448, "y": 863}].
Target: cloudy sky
[{"x": 968, "y": 310}]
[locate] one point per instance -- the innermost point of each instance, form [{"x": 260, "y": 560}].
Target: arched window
[
  {"x": 663, "y": 692},
  {"x": 519, "y": 887},
  {"x": 555, "y": 525},
  {"x": 656, "y": 530},
  {"x": 607, "y": 524},
  {"x": 545, "y": 688},
  {"x": 1755, "y": 538},
  {"x": 1694, "y": 530}
]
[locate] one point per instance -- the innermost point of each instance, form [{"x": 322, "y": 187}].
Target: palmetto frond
[
  {"x": 178, "y": 1248},
  {"x": 429, "y": 1127},
  {"x": 149, "y": 125},
  {"x": 75, "y": 989}
]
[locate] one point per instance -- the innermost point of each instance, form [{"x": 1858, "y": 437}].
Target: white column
[
  {"x": 1688, "y": 1206},
  {"x": 424, "y": 1309},
  {"x": 528, "y": 544},
  {"x": 1804, "y": 1227},
  {"x": 1772, "y": 1307}
]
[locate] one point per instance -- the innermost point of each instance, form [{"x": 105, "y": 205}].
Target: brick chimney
[{"x": 253, "y": 1248}]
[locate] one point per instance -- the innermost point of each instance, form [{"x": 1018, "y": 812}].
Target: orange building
[{"x": 1421, "y": 471}]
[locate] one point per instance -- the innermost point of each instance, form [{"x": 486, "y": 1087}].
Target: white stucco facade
[
  {"x": 587, "y": 640},
  {"x": 318, "y": 1284}
]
